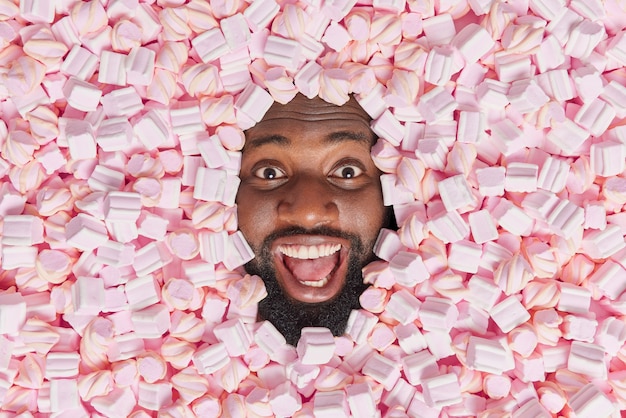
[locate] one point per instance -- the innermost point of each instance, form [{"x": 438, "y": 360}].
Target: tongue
[{"x": 311, "y": 270}]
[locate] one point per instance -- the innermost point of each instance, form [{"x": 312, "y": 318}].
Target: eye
[
  {"x": 269, "y": 173},
  {"x": 347, "y": 172}
]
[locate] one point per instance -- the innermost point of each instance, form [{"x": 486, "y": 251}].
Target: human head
[{"x": 310, "y": 206}]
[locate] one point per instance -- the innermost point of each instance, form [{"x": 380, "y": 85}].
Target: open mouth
[{"x": 311, "y": 269}]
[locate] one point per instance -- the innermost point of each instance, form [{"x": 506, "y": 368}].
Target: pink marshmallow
[
  {"x": 316, "y": 346},
  {"x": 88, "y": 295},
  {"x": 142, "y": 292},
  {"x": 154, "y": 396},
  {"x": 151, "y": 130},
  {"x": 119, "y": 401},
  {"x": 509, "y": 313},
  {"x": 360, "y": 324},
  {"x": 573, "y": 298},
  {"x": 609, "y": 279},
  {"x": 587, "y": 359},
  {"x": 122, "y": 102},
  {"x": 512, "y": 218},
  {"x": 455, "y": 193},
  {"x": 105, "y": 179},
  {"x": 259, "y": 15},
  {"x": 235, "y": 336},
  {"x": 403, "y": 307},
  {"x": 613, "y": 93},
  {"x": 436, "y": 105},
  {"x": 151, "y": 322},
  {"x": 443, "y": 390},
  {"x": 408, "y": 268},
  {"x": 591, "y": 400},
  {"x": 12, "y": 313},
  {"x": 438, "y": 314},
  {"x": 489, "y": 356},
  {"x": 361, "y": 399},
  {"x": 210, "y": 45},
  {"x": 382, "y": 370},
  {"x": 253, "y": 102},
  {"x": 112, "y": 69},
  {"x": 25, "y": 230},
  {"x": 85, "y": 232},
  {"x": 448, "y": 227}
]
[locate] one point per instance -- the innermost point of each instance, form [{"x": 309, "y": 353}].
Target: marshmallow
[
  {"x": 80, "y": 139},
  {"x": 482, "y": 226},
  {"x": 489, "y": 356},
  {"x": 448, "y": 227},
  {"x": 85, "y": 232},
  {"x": 509, "y": 313},
  {"x": 114, "y": 134},
  {"x": 285, "y": 400},
  {"x": 491, "y": 180},
  {"x": 455, "y": 192},
  {"x": 387, "y": 126},
  {"x": 436, "y": 105},
  {"x": 186, "y": 119},
  {"x": 142, "y": 292},
  {"x": 254, "y": 102},
  {"x": 408, "y": 268},
  {"x": 235, "y": 336},
  {"x": 403, "y": 307},
  {"x": 443, "y": 390},
  {"x": 587, "y": 359},
  {"x": 260, "y": 14},
  {"x": 210, "y": 45},
  {"x": 360, "y": 324},
  {"x": 154, "y": 396},
  {"x": 387, "y": 244},
  {"x": 438, "y": 314},
  {"x": 553, "y": 175},
  {"x": 607, "y": 158},
  {"x": 609, "y": 279},
  {"x": 512, "y": 218},
  {"x": 24, "y": 230},
  {"x": 579, "y": 328},
  {"x": 521, "y": 177},
  {"x": 151, "y": 130},
  {"x": 361, "y": 399},
  {"x": 567, "y": 136},
  {"x": 123, "y": 102},
  {"x": 590, "y": 400},
  {"x": 79, "y": 63},
  {"x": 383, "y": 370},
  {"x": 583, "y": 38},
  {"x": 151, "y": 322},
  {"x": 12, "y": 313},
  {"x": 112, "y": 68},
  {"x": 613, "y": 93}
]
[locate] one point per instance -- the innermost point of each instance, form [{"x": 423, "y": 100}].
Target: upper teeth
[{"x": 309, "y": 251}]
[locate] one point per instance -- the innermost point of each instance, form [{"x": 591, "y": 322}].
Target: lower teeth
[{"x": 316, "y": 283}]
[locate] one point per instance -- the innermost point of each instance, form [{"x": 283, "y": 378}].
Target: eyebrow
[{"x": 332, "y": 138}]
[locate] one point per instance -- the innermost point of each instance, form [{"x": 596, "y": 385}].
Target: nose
[{"x": 308, "y": 203}]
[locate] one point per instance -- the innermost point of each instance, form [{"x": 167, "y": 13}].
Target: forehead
[{"x": 316, "y": 113}]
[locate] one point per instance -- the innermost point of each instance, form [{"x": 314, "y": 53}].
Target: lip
[{"x": 307, "y": 293}]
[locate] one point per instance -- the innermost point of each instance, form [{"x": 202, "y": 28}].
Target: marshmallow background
[{"x": 503, "y": 152}]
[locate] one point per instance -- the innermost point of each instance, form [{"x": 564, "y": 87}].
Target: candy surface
[{"x": 503, "y": 152}]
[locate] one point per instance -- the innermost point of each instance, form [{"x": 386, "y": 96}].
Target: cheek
[
  {"x": 255, "y": 216},
  {"x": 364, "y": 214}
]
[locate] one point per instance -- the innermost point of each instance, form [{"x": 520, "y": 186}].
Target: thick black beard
[{"x": 290, "y": 316}]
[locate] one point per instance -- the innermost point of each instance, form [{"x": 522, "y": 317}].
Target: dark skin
[{"x": 308, "y": 181}]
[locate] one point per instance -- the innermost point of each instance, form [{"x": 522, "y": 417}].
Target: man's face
[{"x": 310, "y": 201}]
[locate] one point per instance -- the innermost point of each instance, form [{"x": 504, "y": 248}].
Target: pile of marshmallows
[{"x": 503, "y": 148}]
